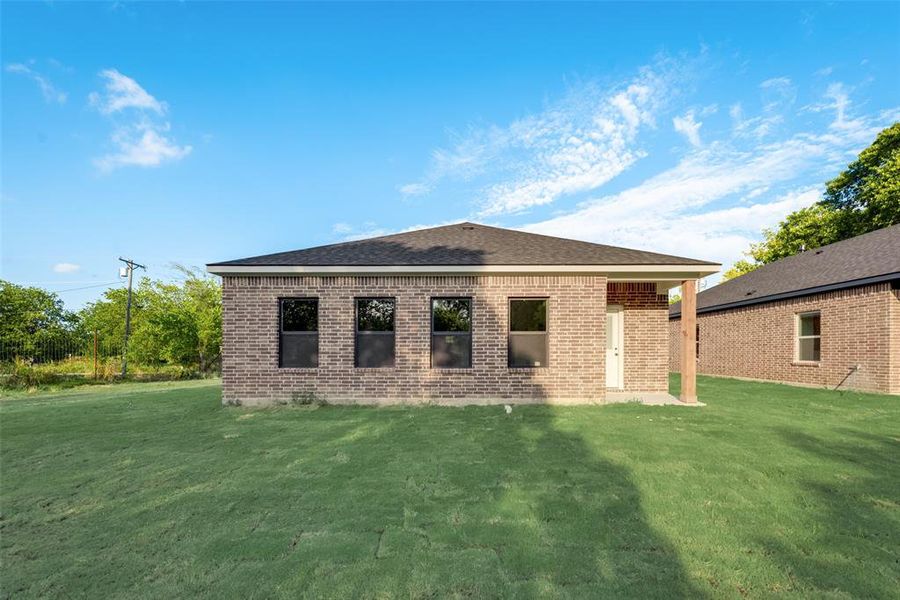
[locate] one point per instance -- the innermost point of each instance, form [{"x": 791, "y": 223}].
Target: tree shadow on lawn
[
  {"x": 443, "y": 502},
  {"x": 450, "y": 502},
  {"x": 335, "y": 502},
  {"x": 853, "y": 502}
]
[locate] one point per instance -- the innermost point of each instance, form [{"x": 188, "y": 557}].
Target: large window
[
  {"x": 528, "y": 343},
  {"x": 809, "y": 337},
  {"x": 451, "y": 333},
  {"x": 375, "y": 332},
  {"x": 299, "y": 333}
]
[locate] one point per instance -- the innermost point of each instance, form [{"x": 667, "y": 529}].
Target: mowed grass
[{"x": 155, "y": 490}]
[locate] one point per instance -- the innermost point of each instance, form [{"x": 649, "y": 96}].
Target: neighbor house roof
[
  {"x": 460, "y": 245},
  {"x": 862, "y": 260}
]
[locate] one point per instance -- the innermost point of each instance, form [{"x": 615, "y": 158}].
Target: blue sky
[{"x": 190, "y": 133}]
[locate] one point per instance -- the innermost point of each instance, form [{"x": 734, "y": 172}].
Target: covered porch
[{"x": 637, "y": 338}]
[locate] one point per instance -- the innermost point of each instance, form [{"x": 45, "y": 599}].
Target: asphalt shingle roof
[
  {"x": 463, "y": 244},
  {"x": 843, "y": 264}
]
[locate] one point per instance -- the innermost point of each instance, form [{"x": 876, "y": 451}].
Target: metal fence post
[{"x": 95, "y": 354}]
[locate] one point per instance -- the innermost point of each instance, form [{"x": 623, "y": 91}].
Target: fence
[{"x": 86, "y": 355}]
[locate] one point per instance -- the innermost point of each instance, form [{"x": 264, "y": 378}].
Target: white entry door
[{"x": 615, "y": 365}]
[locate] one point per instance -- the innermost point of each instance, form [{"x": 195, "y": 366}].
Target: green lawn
[{"x": 155, "y": 490}]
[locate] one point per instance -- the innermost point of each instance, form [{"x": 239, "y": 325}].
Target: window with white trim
[{"x": 809, "y": 337}]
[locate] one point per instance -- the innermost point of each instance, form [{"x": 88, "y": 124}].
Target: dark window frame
[
  {"x": 357, "y": 332},
  {"x": 510, "y": 332},
  {"x": 282, "y": 332},
  {"x": 453, "y": 333}
]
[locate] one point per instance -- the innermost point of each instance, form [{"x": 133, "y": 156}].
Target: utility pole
[{"x": 129, "y": 269}]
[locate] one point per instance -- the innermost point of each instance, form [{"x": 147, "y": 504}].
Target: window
[
  {"x": 299, "y": 333},
  {"x": 374, "y": 332},
  {"x": 451, "y": 333},
  {"x": 809, "y": 337},
  {"x": 698, "y": 341},
  {"x": 528, "y": 345}
]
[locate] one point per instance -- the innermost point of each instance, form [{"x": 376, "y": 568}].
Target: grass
[
  {"x": 75, "y": 371},
  {"x": 155, "y": 490}
]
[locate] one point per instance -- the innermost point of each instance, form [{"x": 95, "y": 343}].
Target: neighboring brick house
[
  {"x": 827, "y": 317},
  {"x": 458, "y": 314}
]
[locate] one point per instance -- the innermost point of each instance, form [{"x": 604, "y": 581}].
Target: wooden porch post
[{"x": 689, "y": 341}]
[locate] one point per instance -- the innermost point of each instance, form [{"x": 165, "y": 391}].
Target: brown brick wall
[
  {"x": 758, "y": 341},
  {"x": 646, "y": 337},
  {"x": 576, "y": 373},
  {"x": 894, "y": 304}
]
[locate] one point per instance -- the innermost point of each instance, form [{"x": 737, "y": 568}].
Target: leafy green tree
[
  {"x": 864, "y": 198},
  {"x": 804, "y": 229},
  {"x": 867, "y": 193},
  {"x": 741, "y": 267},
  {"x": 171, "y": 323},
  {"x": 34, "y": 322},
  {"x": 107, "y": 317}
]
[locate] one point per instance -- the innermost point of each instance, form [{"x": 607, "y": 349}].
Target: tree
[
  {"x": 867, "y": 193},
  {"x": 741, "y": 267},
  {"x": 864, "y": 198},
  {"x": 804, "y": 229},
  {"x": 171, "y": 323},
  {"x": 33, "y": 322}
]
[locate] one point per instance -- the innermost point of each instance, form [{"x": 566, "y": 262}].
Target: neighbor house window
[
  {"x": 451, "y": 333},
  {"x": 528, "y": 344},
  {"x": 375, "y": 332},
  {"x": 698, "y": 340},
  {"x": 809, "y": 336},
  {"x": 299, "y": 333}
]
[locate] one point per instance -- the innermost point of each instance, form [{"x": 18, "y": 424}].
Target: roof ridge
[{"x": 466, "y": 242}]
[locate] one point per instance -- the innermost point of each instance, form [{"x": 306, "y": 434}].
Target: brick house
[
  {"x": 458, "y": 314},
  {"x": 827, "y": 317}
]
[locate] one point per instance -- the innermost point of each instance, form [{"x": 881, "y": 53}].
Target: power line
[{"x": 87, "y": 287}]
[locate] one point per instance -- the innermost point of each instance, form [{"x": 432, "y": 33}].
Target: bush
[{"x": 27, "y": 374}]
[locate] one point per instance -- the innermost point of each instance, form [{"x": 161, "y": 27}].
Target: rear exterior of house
[
  {"x": 828, "y": 317},
  {"x": 453, "y": 315}
]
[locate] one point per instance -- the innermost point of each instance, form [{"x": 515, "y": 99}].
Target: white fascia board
[{"x": 614, "y": 272}]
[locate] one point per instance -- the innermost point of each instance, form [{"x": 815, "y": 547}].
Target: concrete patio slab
[{"x": 651, "y": 399}]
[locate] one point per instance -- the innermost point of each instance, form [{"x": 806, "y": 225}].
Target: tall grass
[{"x": 78, "y": 370}]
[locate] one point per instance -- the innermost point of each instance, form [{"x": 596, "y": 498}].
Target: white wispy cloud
[
  {"x": 716, "y": 200},
  {"x": 66, "y": 267},
  {"x": 414, "y": 189},
  {"x": 123, "y": 92},
  {"x": 837, "y": 98},
  {"x": 48, "y": 90},
  {"x": 713, "y": 203},
  {"x": 687, "y": 126},
  {"x": 777, "y": 93},
  {"x": 753, "y": 127},
  {"x": 574, "y": 145},
  {"x": 141, "y": 135},
  {"x": 141, "y": 146}
]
